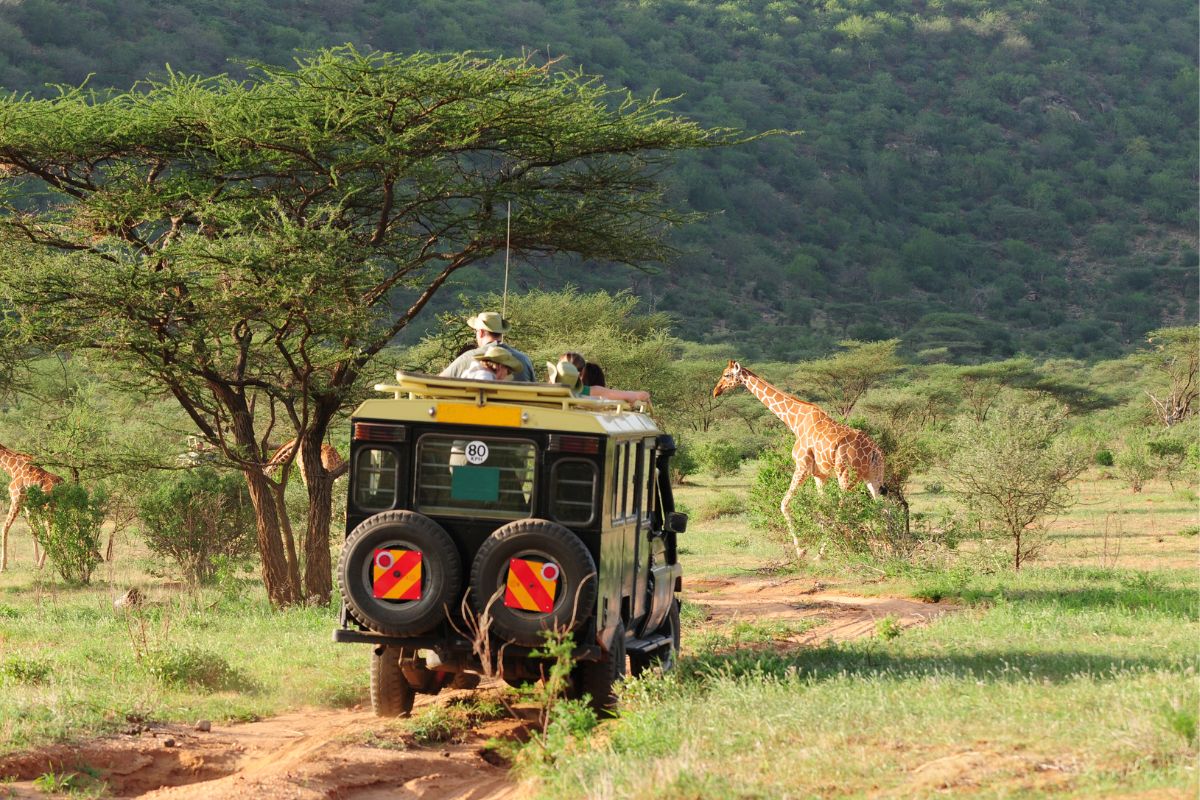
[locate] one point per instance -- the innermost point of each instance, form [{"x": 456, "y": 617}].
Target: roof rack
[{"x": 414, "y": 385}]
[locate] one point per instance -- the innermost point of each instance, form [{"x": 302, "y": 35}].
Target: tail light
[
  {"x": 375, "y": 432},
  {"x": 560, "y": 443}
]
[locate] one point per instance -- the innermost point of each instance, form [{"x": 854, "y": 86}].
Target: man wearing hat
[{"x": 489, "y": 329}]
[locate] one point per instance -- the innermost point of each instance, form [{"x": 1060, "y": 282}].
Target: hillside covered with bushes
[{"x": 975, "y": 178}]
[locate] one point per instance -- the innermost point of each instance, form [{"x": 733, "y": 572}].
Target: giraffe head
[{"x": 730, "y": 378}]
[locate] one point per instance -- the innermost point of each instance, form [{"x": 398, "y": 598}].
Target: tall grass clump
[{"x": 195, "y": 668}]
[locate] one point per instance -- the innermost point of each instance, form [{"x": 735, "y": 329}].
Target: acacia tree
[
  {"x": 1174, "y": 355},
  {"x": 250, "y": 247},
  {"x": 845, "y": 377},
  {"x": 1014, "y": 469}
]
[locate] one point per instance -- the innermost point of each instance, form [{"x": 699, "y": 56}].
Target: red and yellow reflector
[
  {"x": 396, "y": 574},
  {"x": 531, "y": 585}
]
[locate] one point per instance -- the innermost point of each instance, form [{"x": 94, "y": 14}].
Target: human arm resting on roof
[{"x": 605, "y": 393}]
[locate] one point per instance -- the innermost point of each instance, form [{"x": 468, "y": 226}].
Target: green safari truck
[{"x": 515, "y": 508}]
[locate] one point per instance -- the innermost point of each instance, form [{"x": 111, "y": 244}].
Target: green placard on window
[{"x": 480, "y": 484}]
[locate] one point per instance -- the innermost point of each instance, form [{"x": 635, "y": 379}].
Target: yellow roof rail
[{"x": 414, "y": 385}]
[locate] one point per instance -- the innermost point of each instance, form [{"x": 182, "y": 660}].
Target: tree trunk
[
  {"x": 282, "y": 590},
  {"x": 279, "y": 492},
  {"x": 318, "y": 572}
]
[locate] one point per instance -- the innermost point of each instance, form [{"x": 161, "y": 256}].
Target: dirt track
[{"x": 352, "y": 755}]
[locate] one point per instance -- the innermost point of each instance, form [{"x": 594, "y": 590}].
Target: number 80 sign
[{"x": 476, "y": 452}]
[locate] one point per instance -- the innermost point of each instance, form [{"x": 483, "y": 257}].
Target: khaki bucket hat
[
  {"x": 563, "y": 372},
  {"x": 489, "y": 321},
  {"x": 500, "y": 355}
]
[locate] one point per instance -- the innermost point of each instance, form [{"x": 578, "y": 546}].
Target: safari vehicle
[{"x": 512, "y": 507}]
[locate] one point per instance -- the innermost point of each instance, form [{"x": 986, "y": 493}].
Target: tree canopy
[
  {"x": 988, "y": 178},
  {"x": 250, "y": 246}
]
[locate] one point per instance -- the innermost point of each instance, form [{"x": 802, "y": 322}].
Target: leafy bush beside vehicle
[{"x": 198, "y": 520}]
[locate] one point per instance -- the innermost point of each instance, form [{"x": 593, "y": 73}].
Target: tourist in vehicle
[
  {"x": 592, "y": 375},
  {"x": 494, "y": 364},
  {"x": 490, "y": 329},
  {"x": 567, "y": 373},
  {"x": 589, "y": 372}
]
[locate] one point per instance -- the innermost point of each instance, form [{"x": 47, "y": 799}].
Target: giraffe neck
[{"x": 794, "y": 412}]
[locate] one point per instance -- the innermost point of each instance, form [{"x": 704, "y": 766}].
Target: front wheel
[{"x": 391, "y": 695}]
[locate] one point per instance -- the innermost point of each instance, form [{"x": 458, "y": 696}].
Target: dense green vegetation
[{"x": 988, "y": 178}]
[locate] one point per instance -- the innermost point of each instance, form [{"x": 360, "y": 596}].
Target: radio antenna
[{"x": 507, "y": 247}]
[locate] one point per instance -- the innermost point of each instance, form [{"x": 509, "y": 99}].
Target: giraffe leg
[
  {"x": 798, "y": 477},
  {"x": 13, "y": 510}
]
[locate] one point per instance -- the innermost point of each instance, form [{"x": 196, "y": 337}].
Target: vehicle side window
[
  {"x": 572, "y": 487},
  {"x": 631, "y": 478},
  {"x": 626, "y": 500},
  {"x": 620, "y": 457},
  {"x": 375, "y": 474},
  {"x": 647, "y": 482}
]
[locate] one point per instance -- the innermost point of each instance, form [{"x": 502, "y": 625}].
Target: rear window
[
  {"x": 470, "y": 477},
  {"x": 375, "y": 472}
]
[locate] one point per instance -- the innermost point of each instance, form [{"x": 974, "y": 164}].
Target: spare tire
[
  {"x": 440, "y": 575},
  {"x": 534, "y": 541}
]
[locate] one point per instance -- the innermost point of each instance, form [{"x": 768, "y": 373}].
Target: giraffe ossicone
[{"x": 823, "y": 447}]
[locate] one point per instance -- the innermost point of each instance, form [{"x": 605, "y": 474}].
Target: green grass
[
  {"x": 70, "y": 665},
  {"x": 1093, "y": 674},
  {"x": 1073, "y": 678}
]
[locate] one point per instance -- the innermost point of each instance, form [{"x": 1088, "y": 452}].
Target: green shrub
[
  {"x": 1181, "y": 717},
  {"x": 1104, "y": 458},
  {"x": 193, "y": 667},
  {"x": 200, "y": 520},
  {"x": 771, "y": 480},
  {"x": 721, "y": 504},
  {"x": 889, "y": 627},
  {"x": 1133, "y": 462},
  {"x": 1013, "y": 470},
  {"x": 683, "y": 463},
  {"x": 66, "y": 522},
  {"x": 25, "y": 670},
  {"x": 1167, "y": 455},
  {"x": 720, "y": 459},
  {"x": 851, "y": 525}
]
